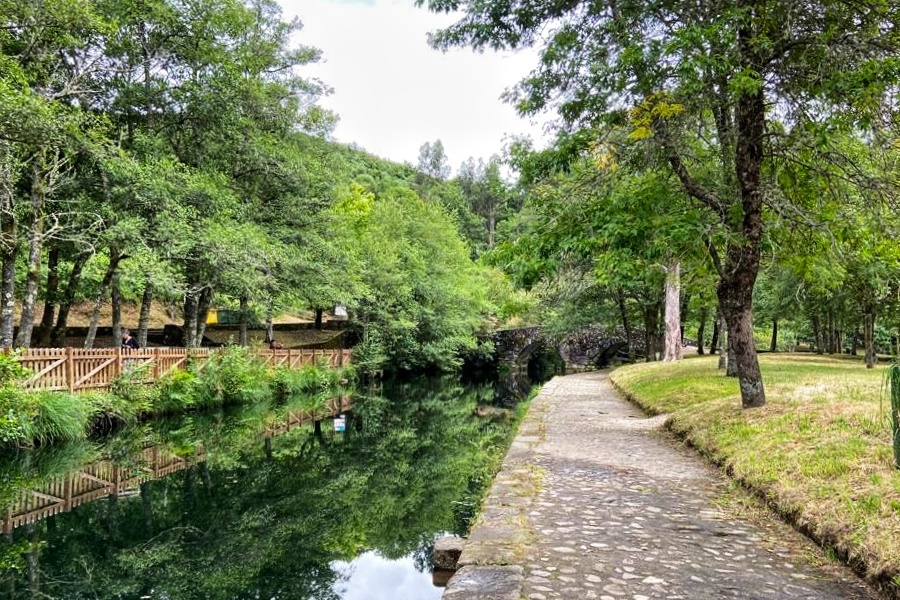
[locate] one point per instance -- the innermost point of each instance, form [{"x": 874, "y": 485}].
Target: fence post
[
  {"x": 118, "y": 372},
  {"x": 155, "y": 364},
  {"x": 70, "y": 369}
]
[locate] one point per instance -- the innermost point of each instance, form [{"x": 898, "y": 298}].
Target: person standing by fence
[{"x": 129, "y": 342}]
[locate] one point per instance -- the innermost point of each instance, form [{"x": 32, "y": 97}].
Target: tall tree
[
  {"x": 433, "y": 160},
  {"x": 676, "y": 62}
]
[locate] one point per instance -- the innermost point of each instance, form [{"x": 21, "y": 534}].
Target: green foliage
[
  {"x": 231, "y": 374},
  {"x": 11, "y": 370},
  {"x": 131, "y": 387},
  {"x": 894, "y": 384},
  {"x": 287, "y": 383},
  {"x": 423, "y": 299},
  {"x": 58, "y": 416},
  {"x": 178, "y": 391}
]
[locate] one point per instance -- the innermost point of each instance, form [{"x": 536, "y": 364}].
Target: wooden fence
[
  {"x": 94, "y": 481},
  {"x": 77, "y": 369},
  {"x": 104, "y": 478}
]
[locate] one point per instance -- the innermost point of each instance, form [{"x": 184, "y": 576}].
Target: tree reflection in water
[{"x": 261, "y": 517}]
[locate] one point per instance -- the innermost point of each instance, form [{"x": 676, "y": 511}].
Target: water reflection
[
  {"x": 372, "y": 577},
  {"x": 261, "y": 507}
]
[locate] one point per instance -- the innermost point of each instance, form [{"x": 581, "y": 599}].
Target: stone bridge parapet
[{"x": 588, "y": 347}]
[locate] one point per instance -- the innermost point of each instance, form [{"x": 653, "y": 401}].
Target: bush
[
  {"x": 176, "y": 392},
  {"x": 309, "y": 378},
  {"x": 58, "y": 416},
  {"x": 110, "y": 411},
  {"x": 131, "y": 387},
  {"x": 232, "y": 374}
]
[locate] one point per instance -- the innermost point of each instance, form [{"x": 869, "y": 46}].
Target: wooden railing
[
  {"x": 103, "y": 478},
  {"x": 77, "y": 369}
]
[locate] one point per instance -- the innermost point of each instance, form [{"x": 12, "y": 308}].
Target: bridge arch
[{"x": 588, "y": 347}]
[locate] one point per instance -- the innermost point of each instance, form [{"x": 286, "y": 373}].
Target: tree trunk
[
  {"x": 869, "y": 333},
  {"x": 8, "y": 284},
  {"x": 270, "y": 333},
  {"x": 817, "y": 333},
  {"x": 115, "y": 300},
  {"x": 701, "y": 331},
  {"x": 620, "y": 299},
  {"x": 191, "y": 306},
  {"x": 649, "y": 334},
  {"x": 714, "y": 343},
  {"x": 731, "y": 366},
  {"x": 773, "y": 346},
  {"x": 723, "y": 341},
  {"x": 146, "y": 305},
  {"x": 50, "y": 297},
  {"x": 203, "y": 305},
  {"x": 114, "y": 258},
  {"x": 245, "y": 317},
  {"x": 9, "y": 245},
  {"x": 854, "y": 343},
  {"x": 742, "y": 259},
  {"x": 58, "y": 338},
  {"x": 35, "y": 248},
  {"x": 672, "y": 346},
  {"x": 829, "y": 333}
]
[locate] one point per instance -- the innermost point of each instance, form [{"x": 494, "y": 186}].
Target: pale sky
[
  {"x": 371, "y": 577},
  {"x": 393, "y": 92}
]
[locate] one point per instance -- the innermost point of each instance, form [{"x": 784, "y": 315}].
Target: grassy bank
[
  {"x": 819, "y": 451},
  {"x": 232, "y": 375}
]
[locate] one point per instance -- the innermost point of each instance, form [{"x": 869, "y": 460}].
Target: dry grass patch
[{"x": 819, "y": 451}]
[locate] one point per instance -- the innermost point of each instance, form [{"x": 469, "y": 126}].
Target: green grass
[{"x": 820, "y": 451}]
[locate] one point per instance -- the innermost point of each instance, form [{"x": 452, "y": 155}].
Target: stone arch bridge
[{"x": 588, "y": 347}]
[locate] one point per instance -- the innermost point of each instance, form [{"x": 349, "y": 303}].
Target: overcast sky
[{"x": 393, "y": 92}]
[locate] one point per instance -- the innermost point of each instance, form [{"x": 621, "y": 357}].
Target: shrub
[
  {"x": 232, "y": 374},
  {"x": 131, "y": 387},
  {"x": 110, "y": 411},
  {"x": 11, "y": 370},
  {"x": 57, "y": 416},
  {"x": 309, "y": 378},
  {"x": 178, "y": 391},
  {"x": 15, "y": 422}
]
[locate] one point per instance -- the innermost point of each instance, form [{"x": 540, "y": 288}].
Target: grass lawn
[{"x": 819, "y": 451}]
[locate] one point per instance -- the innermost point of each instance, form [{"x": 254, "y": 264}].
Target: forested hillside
[{"x": 161, "y": 152}]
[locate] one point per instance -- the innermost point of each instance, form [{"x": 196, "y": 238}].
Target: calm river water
[{"x": 255, "y": 503}]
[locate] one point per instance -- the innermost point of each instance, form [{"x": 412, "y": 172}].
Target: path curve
[{"x": 595, "y": 501}]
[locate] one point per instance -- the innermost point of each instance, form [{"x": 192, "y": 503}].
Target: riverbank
[
  {"x": 232, "y": 375},
  {"x": 819, "y": 452},
  {"x": 595, "y": 500}
]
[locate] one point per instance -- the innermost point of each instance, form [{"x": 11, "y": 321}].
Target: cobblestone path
[{"x": 595, "y": 502}]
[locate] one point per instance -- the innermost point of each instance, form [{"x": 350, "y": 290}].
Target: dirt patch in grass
[{"x": 819, "y": 452}]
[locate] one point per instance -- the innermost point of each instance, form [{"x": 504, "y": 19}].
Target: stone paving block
[
  {"x": 447, "y": 551},
  {"x": 474, "y": 582}
]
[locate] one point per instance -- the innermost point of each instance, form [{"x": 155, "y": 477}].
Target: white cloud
[
  {"x": 371, "y": 577},
  {"x": 393, "y": 92}
]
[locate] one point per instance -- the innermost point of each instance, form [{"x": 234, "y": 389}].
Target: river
[{"x": 257, "y": 502}]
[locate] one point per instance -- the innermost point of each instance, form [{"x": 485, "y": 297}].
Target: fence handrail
[{"x": 80, "y": 369}]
